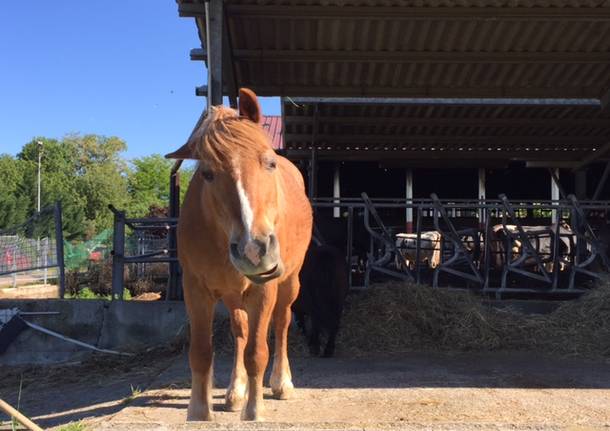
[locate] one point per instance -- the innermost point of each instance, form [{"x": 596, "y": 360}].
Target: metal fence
[
  {"x": 33, "y": 251},
  {"x": 143, "y": 248}
]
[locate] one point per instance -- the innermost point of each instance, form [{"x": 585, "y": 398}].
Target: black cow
[{"x": 324, "y": 285}]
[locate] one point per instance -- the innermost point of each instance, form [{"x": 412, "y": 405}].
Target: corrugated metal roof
[
  {"x": 431, "y": 131},
  {"x": 419, "y": 48},
  {"x": 273, "y": 125}
]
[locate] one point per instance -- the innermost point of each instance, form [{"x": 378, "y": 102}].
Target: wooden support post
[
  {"x": 174, "y": 287},
  {"x": 409, "y": 197},
  {"x": 118, "y": 254},
  {"x": 482, "y": 197},
  {"x": 555, "y": 192},
  {"x": 214, "y": 40},
  {"x": 337, "y": 190}
]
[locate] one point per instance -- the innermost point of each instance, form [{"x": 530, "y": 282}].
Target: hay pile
[{"x": 394, "y": 317}]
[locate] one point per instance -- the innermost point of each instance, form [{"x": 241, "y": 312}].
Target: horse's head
[{"x": 240, "y": 192}]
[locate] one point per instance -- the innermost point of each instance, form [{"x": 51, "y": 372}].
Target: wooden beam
[
  {"x": 452, "y": 122},
  {"x": 191, "y": 10},
  {"x": 394, "y": 57},
  {"x": 214, "y": 44},
  {"x": 528, "y": 143},
  {"x": 370, "y": 91},
  {"x": 198, "y": 54},
  {"x": 412, "y": 158},
  {"x": 228, "y": 63},
  {"x": 314, "y": 12}
]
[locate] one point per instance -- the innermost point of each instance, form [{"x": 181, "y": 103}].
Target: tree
[
  {"x": 148, "y": 184},
  {"x": 13, "y": 209}
]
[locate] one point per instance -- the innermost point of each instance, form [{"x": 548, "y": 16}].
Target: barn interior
[{"x": 402, "y": 99}]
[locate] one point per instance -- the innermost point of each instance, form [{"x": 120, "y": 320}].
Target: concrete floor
[{"x": 412, "y": 391}]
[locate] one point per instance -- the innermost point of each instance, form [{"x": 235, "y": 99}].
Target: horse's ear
[
  {"x": 182, "y": 153},
  {"x": 248, "y": 105}
]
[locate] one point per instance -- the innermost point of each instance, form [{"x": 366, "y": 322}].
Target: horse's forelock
[{"x": 224, "y": 135}]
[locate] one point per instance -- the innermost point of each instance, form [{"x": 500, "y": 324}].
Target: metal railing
[
  {"x": 167, "y": 254},
  {"x": 468, "y": 249}
]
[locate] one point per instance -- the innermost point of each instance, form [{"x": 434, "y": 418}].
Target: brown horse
[{"x": 244, "y": 229}]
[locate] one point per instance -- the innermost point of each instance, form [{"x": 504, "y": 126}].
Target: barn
[{"x": 410, "y": 117}]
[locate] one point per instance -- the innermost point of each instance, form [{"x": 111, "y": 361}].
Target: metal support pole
[
  {"x": 337, "y": 190},
  {"x": 482, "y": 197},
  {"x": 409, "y": 197},
  {"x": 214, "y": 36},
  {"x": 313, "y": 162},
  {"x": 350, "y": 241},
  {"x": 555, "y": 192},
  {"x": 59, "y": 244},
  {"x": 118, "y": 254}
]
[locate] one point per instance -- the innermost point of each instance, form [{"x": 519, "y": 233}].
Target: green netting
[{"x": 78, "y": 254}]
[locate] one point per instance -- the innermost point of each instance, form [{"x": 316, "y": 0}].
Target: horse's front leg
[
  {"x": 281, "y": 377},
  {"x": 200, "y": 306},
  {"x": 236, "y": 392},
  {"x": 259, "y": 301}
]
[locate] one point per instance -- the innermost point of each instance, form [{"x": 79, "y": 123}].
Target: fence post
[
  {"x": 174, "y": 290},
  {"x": 59, "y": 240},
  {"x": 118, "y": 254}
]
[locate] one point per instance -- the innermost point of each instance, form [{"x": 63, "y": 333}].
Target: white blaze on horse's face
[{"x": 254, "y": 248}]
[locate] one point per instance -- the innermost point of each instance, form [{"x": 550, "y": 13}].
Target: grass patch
[
  {"x": 87, "y": 293},
  {"x": 73, "y": 426},
  {"x": 135, "y": 392}
]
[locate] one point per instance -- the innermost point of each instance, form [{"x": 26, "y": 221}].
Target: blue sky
[{"x": 116, "y": 68}]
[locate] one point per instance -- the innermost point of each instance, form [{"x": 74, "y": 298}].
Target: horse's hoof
[
  {"x": 284, "y": 392},
  {"x": 252, "y": 414},
  {"x": 233, "y": 402},
  {"x": 199, "y": 416}
]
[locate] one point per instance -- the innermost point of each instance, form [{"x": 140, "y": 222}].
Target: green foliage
[
  {"x": 149, "y": 184},
  {"x": 73, "y": 426},
  {"x": 86, "y": 173},
  {"x": 87, "y": 293}
]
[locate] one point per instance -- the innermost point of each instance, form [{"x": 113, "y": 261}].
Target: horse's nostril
[{"x": 234, "y": 249}]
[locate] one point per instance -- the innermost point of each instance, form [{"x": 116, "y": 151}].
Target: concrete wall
[{"x": 118, "y": 325}]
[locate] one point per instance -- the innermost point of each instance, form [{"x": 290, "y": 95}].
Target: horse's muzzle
[{"x": 257, "y": 258}]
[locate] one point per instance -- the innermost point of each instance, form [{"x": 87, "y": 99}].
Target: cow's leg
[
  {"x": 281, "y": 377},
  {"x": 236, "y": 392},
  {"x": 259, "y": 301},
  {"x": 200, "y": 305}
]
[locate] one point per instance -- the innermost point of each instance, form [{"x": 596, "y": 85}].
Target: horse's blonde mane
[{"x": 223, "y": 135}]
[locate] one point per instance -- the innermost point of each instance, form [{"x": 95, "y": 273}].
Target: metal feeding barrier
[
  {"x": 496, "y": 246},
  {"x": 167, "y": 254}
]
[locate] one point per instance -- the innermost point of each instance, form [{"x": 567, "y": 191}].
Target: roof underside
[
  {"x": 419, "y": 131},
  {"x": 493, "y": 49},
  {"x": 466, "y": 48}
]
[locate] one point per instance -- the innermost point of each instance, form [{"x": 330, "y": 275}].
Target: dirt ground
[{"x": 415, "y": 391}]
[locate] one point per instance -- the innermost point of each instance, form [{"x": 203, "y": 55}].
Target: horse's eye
[
  {"x": 207, "y": 175},
  {"x": 271, "y": 165}
]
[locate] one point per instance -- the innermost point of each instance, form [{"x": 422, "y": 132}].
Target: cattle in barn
[
  {"x": 324, "y": 286},
  {"x": 541, "y": 239},
  {"x": 429, "y": 249}
]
